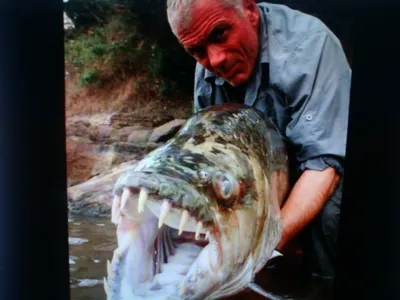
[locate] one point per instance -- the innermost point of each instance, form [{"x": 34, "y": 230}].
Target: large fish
[{"x": 200, "y": 216}]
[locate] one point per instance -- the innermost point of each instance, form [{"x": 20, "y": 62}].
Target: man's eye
[{"x": 219, "y": 34}]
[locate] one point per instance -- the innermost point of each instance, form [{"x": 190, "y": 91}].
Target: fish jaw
[
  {"x": 220, "y": 262},
  {"x": 229, "y": 266},
  {"x": 153, "y": 259}
]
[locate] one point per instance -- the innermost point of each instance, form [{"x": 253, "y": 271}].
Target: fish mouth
[{"x": 167, "y": 240}]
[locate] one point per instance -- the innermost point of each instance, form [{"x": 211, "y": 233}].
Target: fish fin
[{"x": 259, "y": 290}]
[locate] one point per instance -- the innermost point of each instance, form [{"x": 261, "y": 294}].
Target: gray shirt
[{"x": 301, "y": 81}]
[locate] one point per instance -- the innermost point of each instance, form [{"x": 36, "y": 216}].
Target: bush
[{"x": 111, "y": 43}]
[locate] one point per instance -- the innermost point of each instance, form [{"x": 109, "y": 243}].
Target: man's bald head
[
  {"x": 222, "y": 35},
  {"x": 179, "y": 12}
]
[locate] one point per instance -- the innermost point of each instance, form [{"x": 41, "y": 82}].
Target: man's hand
[{"x": 305, "y": 201}]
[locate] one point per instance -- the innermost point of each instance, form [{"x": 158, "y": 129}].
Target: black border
[
  {"x": 34, "y": 260},
  {"x": 33, "y": 211}
]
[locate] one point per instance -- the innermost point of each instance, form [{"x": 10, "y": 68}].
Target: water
[{"x": 92, "y": 242}]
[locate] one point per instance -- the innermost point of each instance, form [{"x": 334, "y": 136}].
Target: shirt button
[{"x": 309, "y": 117}]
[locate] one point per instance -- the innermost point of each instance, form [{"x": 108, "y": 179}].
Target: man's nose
[{"x": 216, "y": 56}]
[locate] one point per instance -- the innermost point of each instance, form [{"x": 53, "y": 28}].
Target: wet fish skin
[{"x": 228, "y": 168}]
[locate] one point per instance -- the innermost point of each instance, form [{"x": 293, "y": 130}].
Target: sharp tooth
[
  {"x": 143, "y": 197},
  {"x": 115, "y": 209},
  {"x": 183, "y": 291},
  {"x": 193, "y": 277},
  {"x": 165, "y": 208},
  {"x": 207, "y": 235},
  {"x": 106, "y": 288},
  {"x": 109, "y": 270},
  {"x": 184, "y": 218},
  {"x": 198, "y": 229},
  {"x": 117, "y": 255},
  {"x": 123, "y": 245},
  {"x": 126, "y": 194}
]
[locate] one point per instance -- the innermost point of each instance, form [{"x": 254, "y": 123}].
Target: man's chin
[{"x": 237, "y": 79}]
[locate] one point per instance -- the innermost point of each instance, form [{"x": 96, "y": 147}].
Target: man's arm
[
  {"x": 317, "y": 79},
  {"x": 305, "y": 201}
]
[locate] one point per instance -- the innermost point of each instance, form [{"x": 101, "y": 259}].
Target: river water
[{"x": 92, "y": 242}]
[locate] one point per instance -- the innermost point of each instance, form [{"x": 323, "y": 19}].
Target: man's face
[{"x": 222, "y": 40}]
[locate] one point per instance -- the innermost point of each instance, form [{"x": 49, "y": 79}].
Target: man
[{"x": 292, "y": 68}]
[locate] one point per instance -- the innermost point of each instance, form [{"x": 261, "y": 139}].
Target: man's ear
[{"x": 251, "y": 11}]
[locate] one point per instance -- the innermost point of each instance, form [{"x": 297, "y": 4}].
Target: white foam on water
[
  {"x": 89, "y": 282},
  {"x": 77, "y": 241}
]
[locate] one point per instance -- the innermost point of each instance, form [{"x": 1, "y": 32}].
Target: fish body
[{"x": 200, "y": 216}]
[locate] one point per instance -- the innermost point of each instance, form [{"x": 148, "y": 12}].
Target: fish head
[{"x": 199, "y": 216}]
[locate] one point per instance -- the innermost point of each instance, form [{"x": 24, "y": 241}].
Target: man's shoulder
[
  {"x": 288, "y": 26},
  {"x": 199, "y": 72},
  {"x": 200, "y": 84}
]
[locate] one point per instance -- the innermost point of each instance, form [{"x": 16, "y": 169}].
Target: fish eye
[
  {"x": 225, "y": 186},
  {"x": 226, "y": 189}
]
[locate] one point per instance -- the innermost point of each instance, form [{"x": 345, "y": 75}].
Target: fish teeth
[
  {"x": 193, "y": 276},
  {"x": 106, "y": 287},
  {"x": 199, "y": 227},
  {"x": 126, "y": 194},
  {"x": 208, "y": 235},
  {"x": 115, "y": 209},
  {"x": 143, "y": 197},
  {"x": 184, "y": 219},
  {"x": 109, "y": 270},
  {"x": 165, "y": 208},
  {"x": 117, "y": 255},
  {"x": 124, "y": 245}
]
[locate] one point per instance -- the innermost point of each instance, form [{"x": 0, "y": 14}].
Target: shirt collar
[{"x": 263, "y": 57}]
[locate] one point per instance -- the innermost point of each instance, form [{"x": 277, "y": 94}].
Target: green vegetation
[{"x": 111, "y": 44}]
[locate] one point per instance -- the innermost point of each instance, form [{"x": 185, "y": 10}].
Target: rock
[
  {"x": 104, "y": 163},
  {"x": 71, "y": 182},
  {"x": 147, "y": 117},
  {"x": 86, "y": 159},
  {"x": 94, "y": 119},
  {"x": 117, "y": 153},
  {"x": 139, "y": 136},
  {"x": 94, "y": 197},
  {"x": 80, "y": 158},
  {"x": 166, "y": 131},
  {"x": 139, "y": 149},
  {"x": 126, "y": 131},
  {"x": 100, "y": 147},
  {"x": 78, "y": 128},
  {"x": 104, "y": 133}
]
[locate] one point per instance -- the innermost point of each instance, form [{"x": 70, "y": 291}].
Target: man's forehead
[
  {"x": 206, "y": 14},
  {"x": 201, "y": 9}
]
